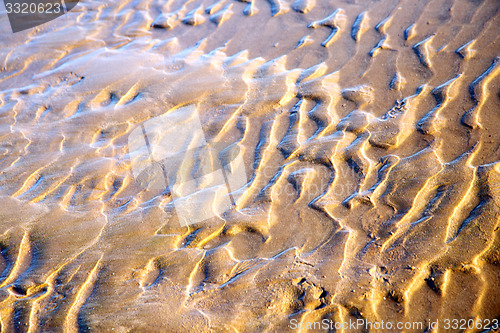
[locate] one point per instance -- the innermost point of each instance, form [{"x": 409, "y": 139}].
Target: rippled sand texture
[{"x": 370, "y": 131}]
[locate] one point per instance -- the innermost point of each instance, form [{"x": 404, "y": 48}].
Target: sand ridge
[{"x": 370, "y": 137}]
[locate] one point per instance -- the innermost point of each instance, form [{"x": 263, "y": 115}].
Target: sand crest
[{"x": 354, "y": 173}]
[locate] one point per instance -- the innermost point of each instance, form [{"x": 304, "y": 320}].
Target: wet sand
[{"x": 370, "y": 135}]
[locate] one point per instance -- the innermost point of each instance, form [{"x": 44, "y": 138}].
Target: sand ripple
[{"x": 370, "y": 136}]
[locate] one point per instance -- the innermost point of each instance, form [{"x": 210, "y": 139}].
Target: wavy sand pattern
[{"x": 370, "y": 131}]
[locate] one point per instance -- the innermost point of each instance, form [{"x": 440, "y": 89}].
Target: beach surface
[{"x": 368, "y": 138}]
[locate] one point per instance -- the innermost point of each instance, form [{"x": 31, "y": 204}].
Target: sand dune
[{"x": 370, "y": 139}]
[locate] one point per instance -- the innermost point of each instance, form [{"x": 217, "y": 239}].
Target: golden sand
[{"x": 370, "y": 133}]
